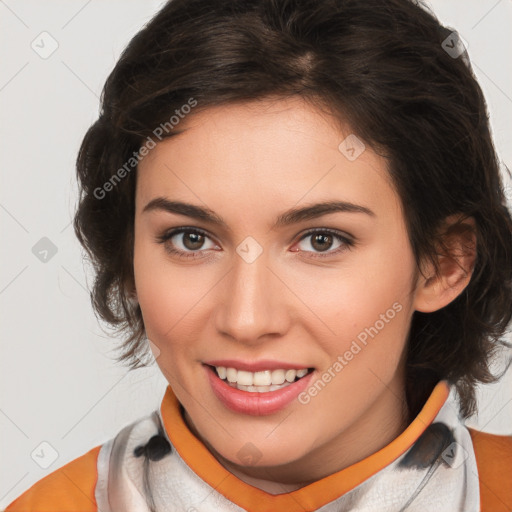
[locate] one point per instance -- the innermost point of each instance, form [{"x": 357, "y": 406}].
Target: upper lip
[{"x": 256, "y": 366}]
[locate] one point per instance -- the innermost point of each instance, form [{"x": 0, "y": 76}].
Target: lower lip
[{"x": 256, "y": 404}]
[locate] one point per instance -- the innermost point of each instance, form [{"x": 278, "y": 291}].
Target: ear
[{"x": 456, "y": 258}]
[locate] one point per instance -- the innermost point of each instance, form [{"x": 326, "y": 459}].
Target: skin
[{"x": 249, "y": 163}]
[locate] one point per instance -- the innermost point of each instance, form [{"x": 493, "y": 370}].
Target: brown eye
[
  {"x": 322, "y": 242},
  {"x": 192, "y": 240},
  {"x": 186, "y": 242}
]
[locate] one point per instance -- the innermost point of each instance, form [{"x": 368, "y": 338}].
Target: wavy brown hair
[{"x": 382, "y": 67}]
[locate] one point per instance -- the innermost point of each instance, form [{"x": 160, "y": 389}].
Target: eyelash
[{"x": 348, "y": 242}]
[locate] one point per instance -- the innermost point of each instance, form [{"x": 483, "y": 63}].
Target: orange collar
[{"x": 311, "y": 497}]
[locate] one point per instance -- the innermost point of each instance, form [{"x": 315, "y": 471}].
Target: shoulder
[
  {"x": 69, "y": 488},
  {"x": 494, "y": 462}
]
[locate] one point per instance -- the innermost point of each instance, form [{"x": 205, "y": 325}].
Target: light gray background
[{"x": 59, "y": 382}]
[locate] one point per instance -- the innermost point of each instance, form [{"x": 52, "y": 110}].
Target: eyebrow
[{"x": 286, "y": 218}]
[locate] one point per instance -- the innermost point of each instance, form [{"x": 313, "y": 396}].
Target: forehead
[{"x": 265, "y": 154}]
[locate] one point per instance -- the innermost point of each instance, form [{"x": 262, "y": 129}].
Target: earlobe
[{"x": 455, "y": 261}]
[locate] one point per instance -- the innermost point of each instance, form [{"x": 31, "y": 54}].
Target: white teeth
[
  {"x": 258, "y": 389},
  {"x": 290, "y": 375},
  {"x": 262, "y": 378},
  {"x": 266, "y": 380},
  {"x": 244, "y": 378},
  {"x": 278, "y": 376},
  {"x": 231, "y": 374},
  {"x": 275, "y": 387}
]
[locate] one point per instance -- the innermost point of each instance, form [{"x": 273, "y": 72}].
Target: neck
[{"x": 382, "y": 422}]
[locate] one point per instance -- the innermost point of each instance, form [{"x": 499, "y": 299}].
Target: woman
[{"x": 299, "y": 205}]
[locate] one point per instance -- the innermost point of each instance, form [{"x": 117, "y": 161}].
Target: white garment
[{"x": 438, "y": 473}]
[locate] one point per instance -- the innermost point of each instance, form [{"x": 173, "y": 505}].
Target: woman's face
[{"x": 248, "y": 286}]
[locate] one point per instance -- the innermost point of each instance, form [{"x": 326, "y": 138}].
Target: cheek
[
  {"x": 367, "y": 307},
  {"x": 165, "y": 295}
]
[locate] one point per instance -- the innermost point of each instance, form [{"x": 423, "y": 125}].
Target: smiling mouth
[{"x": 261, "y": 381}]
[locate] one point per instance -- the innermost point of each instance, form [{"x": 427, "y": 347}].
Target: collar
[{"x": 195, "y": 454}]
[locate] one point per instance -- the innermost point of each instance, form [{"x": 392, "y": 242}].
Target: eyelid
[
  {"x": 170, "y": 233},
  {"x": 335, "y": 232}
]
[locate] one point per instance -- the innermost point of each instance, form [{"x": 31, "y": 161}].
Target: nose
[{"x": 251, "y": 306}]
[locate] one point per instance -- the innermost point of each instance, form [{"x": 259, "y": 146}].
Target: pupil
[
  {"x": 322, "y": 239},
  {"x": 193, "y": 241}
]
